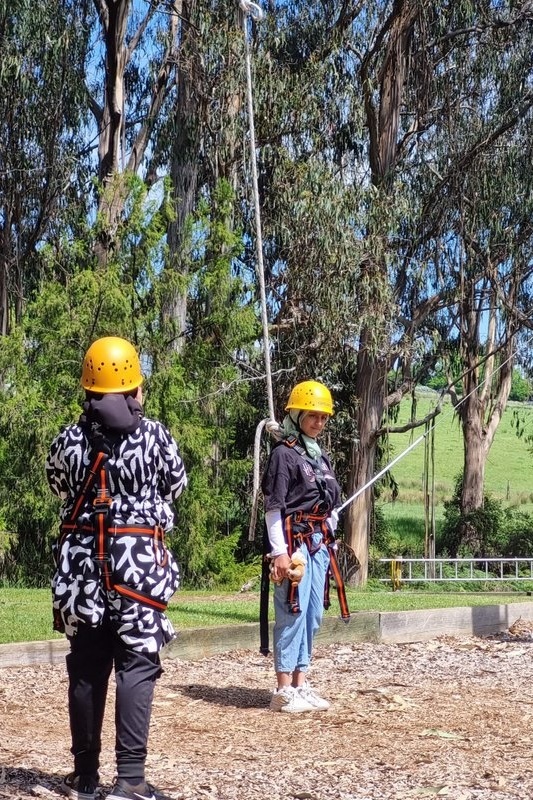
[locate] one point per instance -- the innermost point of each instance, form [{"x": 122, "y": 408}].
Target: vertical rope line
[{"x": 252, "y": 9}]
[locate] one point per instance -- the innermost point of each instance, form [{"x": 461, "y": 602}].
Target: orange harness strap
[
  {"x": 339, "y": 582},
  {"x": 102, "y": 530},
  {"x": 315, "y": 521},
  {"x": 102, "y": 504},
  {"x": 86, "y": 485}
]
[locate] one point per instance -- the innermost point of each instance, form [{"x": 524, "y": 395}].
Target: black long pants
[{"x": 93, "y": 653}]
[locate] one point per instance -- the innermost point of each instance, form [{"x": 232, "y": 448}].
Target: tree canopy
[{"x": 393, "y": 157}]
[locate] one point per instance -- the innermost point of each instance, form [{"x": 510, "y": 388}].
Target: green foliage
[
  {"x": 520, "y": 388},
  {"x": 502, "y": 532},
  {"x": 43, "y": 116},
  {"x": 484, "y": 523},
  {"x": 518, "y": 529},
  {"x": 200, "y": 394}
]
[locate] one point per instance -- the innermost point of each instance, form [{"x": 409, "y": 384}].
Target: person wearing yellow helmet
[
  {"x": 111, "y": 365},
  {"x": 118, "y": 475},
  {"x": 300, "y": 493}
]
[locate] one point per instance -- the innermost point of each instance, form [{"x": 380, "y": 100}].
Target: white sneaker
[
  {"x": 290, "y": 700},
  {"x": 308, "y": 694}
]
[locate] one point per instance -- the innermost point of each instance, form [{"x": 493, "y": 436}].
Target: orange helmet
[
  {"x": 111, "y": 365},
  {"x": 311, "y": 396}
]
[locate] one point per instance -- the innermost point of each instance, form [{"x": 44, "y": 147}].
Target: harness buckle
[
  {"x": 102, "y": 505},
  {"x": 160, "y": 551}
]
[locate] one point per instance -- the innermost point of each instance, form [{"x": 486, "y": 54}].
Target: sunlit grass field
[
  {"x": 26, "y": 614},
  {"x": 509, "y": 471}
]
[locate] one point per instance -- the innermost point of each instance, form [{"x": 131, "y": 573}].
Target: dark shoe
[
  {"x": 80, "y": 787},
  {"x": 122, "y": 790}
]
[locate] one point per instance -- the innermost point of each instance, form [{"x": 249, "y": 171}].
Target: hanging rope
[
  {"x": 251, "y": 11},
  {"x": 254, "y": 12}
]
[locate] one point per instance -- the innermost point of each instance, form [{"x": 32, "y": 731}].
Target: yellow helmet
[
  {"x": 311, "y": 396},
  {"x": 111, "y": 365}
]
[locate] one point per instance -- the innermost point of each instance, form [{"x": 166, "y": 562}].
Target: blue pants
[{"x": 294, "y": 633}]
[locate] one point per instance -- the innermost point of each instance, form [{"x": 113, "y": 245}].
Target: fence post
[{"x": 396, "y": 573}]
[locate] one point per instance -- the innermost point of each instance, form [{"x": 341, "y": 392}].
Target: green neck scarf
[{"x": 291, "y": 428}]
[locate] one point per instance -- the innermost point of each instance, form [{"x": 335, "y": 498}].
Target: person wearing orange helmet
[
  {"x": 300, "y": 494},
  {"x": 118, "y": 475}
]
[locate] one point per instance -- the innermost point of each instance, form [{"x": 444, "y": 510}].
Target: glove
[
  {"x": 274, "y": 428},
  {"x": 333, "y": 521}
]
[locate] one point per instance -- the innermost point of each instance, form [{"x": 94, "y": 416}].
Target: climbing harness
[
  {"x": 300, "y": 528},
  {"x": 106, "y": 533}
]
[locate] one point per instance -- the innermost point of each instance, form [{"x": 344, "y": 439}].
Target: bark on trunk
[
  {"x": 484, "y": 400},
  {"x": 370, "y": 390},
  {"x": 475, "y": 455},
  {"x": 184, "y": 171},
  {"x": 111, "y": 118},
  {"x": 385, "y": 65},
  {"x": 4, "y": 310}
]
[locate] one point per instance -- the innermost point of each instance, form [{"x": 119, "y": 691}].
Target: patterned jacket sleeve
[
  {"x": 173, "y": 478},
  {"x": 54, "y": 466}
]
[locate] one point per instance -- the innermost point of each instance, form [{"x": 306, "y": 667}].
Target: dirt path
[{"x": 447, "y": 718}]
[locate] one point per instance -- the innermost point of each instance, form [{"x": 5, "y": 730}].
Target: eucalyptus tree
[
  {"x": 366, "y": 144},
  {"x": 131, "y": 80},
  {"x": 43, "y": 153},
  {"x": 494, "y": 275},
  {"x": 201, "y": 141},
  {"x": 485, "y": 244}
]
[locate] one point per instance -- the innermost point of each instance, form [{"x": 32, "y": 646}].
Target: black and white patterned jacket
[{"x": 146, "y": 475}]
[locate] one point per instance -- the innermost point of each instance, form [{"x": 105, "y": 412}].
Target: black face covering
[{"x": 115, "y": 413}]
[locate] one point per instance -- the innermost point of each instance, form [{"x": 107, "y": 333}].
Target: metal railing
[{"x": 419, "y": 570}]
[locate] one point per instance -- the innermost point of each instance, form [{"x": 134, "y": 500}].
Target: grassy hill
[{"x": 508, "y": 474}]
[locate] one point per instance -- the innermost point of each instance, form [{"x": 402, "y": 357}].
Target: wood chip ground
[{"x": 446, "y": 718}]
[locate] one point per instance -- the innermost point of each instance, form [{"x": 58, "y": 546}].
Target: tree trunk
[
  {"x": 475, "y": 454},
  {"x": 370, "y": 390},
  {"x": 485, "y": 396},
  {"x": 383, "y": 119},
  {"x": 111, "y": 118},
  {"x": 4, "y": 308},
  {"x": 183, "y": 170},
  {"x": 113, "y": 19}
]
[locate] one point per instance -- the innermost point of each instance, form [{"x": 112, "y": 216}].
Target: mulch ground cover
[{"x": 451, "y": 717}]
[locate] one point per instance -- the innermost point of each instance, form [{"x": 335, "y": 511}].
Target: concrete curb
[{"x": 364, "y": 626}]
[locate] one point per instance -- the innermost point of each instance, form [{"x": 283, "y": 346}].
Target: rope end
[{"x": 252, "y": 9}]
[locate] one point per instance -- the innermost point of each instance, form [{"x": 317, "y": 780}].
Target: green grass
[
  {"x": 26, "y": 616},
  {"x": 509, "y": 465},
  {"x": 508, "y": 471}
]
